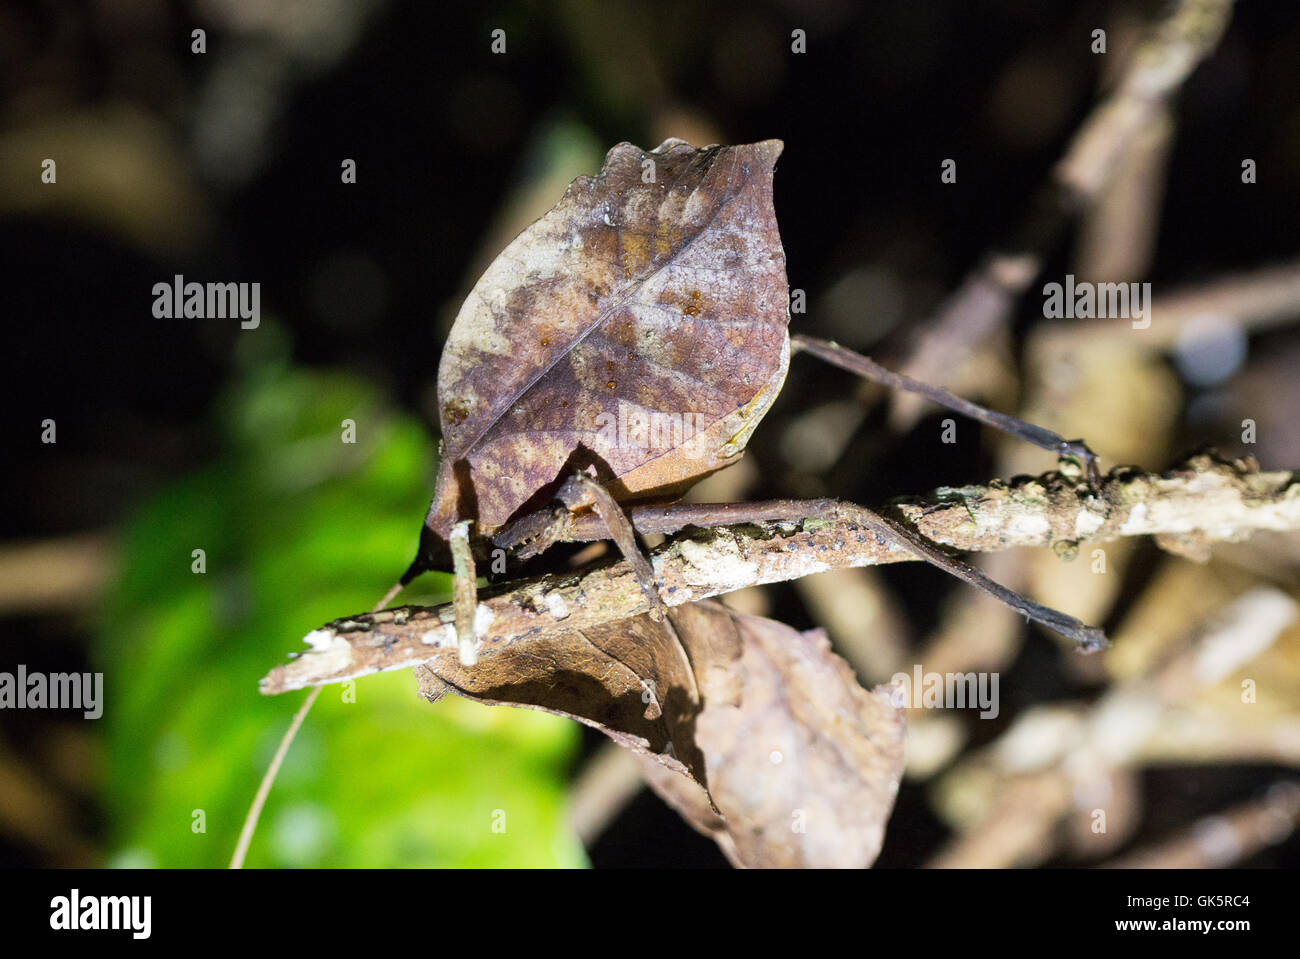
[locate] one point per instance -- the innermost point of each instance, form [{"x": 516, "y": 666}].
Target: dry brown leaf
[
  {"x": 759, "y": 735},
  {"x": 641, "y": 326},
  {"x": 628, "y": 300},
  {"x": 802, "y": 762}
]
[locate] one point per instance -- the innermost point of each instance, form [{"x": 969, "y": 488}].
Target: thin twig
[
  {"x": 273, "y": 770},
  {"x": 674, "y": 517},
  {"x": 268, "y": 780},
  {"x": 1203, "y": 498},
  {"x": 1176, "y": 45},
  {"x": 1254, "y": 301}
]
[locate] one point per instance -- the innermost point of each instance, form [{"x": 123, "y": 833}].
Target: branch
[
  {"x": 1226, "y": 838},
  {"x": 1176, "y": 46},
  {"x": 1254, "y": 301},
  {"x": 974, "y": 314},
  {"x": 1203, "y": 500}
]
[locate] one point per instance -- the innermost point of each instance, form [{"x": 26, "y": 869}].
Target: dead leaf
[
  {"x": 805, "y": 766},
  {"x": 642, "y": 319},
  {"x": 641, "y": 326},
  {"x": 759, "y": 735}
]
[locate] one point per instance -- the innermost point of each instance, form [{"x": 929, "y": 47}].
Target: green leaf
[{"x": 297, "y": 528}]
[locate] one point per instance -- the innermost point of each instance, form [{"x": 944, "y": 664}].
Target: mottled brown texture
[
  {"x": 628, "y": 299},
  {"x": 629, "y": 679},
  {"x": 758, "y": 734},
  {"x": 803, "y": 764}
]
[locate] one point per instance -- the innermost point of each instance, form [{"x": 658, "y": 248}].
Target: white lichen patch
[
  {"x": 446, "y": 636},
  {"x": 1136, "y": 524},
  {"x": 1032, "y": 527},
  {"x": 1087, "y": 523},
  {"x": 717, "y": 564},
  {"x": 483, "y": 618},
  {"x": 556, "y": 606},
  {"x": 319, "y": 640},
  {"x": 330, "y": 653}
]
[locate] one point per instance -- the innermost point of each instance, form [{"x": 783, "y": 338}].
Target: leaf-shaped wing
[
  {"x": 759, "y": 735},
  {"x": 643, "y": 318}
]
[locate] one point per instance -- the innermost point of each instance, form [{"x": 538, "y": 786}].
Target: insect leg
[
  {"x": 464, "y": 593},
  {"x": 620, "y": 530},
  {"x": 863, "y": 366},
  {"x": 675, "y": 517}
]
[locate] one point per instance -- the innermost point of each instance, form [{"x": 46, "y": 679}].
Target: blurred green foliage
[{"x": 300, "y": 528}]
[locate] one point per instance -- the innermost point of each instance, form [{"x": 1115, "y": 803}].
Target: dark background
[{"x": 367, "y": 276}]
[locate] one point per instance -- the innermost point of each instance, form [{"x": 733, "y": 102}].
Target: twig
[
  {"x": 273, "y": 770},
  {"x": 1255, "y": 301},
  {"x": 1204, "y": 498},
  {"x": 1175, "y": 47},
  {"x": 1227, "y": 838},
  {"x": 1081, "y": 750},
  {"x": 268, "y": 780},
  {"x": 981, "y": 306},
  {"x": 673, "y": 518}
]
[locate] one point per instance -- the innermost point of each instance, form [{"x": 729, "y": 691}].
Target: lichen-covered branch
[{"x": 1203, "y": 500}]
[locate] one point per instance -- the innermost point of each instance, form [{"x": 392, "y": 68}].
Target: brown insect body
[{"x": 653, "y": 292}]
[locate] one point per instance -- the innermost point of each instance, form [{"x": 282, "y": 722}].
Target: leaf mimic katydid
[
  {"x": 653, "y": 293},
  {"x": 621, "y": 348}
]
